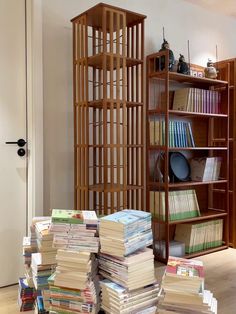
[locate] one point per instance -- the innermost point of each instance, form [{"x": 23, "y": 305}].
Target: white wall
[{"x": 182, "y": 21}]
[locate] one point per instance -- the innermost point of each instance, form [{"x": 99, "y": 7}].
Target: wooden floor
[{"x": 220, "y": 269}]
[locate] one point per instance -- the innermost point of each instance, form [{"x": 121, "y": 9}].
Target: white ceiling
[{"x": 226, "y": 7}]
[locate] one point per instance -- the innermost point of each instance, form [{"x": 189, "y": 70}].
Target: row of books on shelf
[
  {"x": 200, "y": 236},
  {"x": 182, "y": 204},
  {"x": 180, "y": 133},
  {"x": 197, "y": 100}
]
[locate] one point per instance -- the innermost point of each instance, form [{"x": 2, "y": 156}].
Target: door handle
[{"x": 21, "y": 142}]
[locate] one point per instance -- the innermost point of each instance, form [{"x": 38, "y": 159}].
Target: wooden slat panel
[
  {"x": 75, "y": 38},
  {"x": 118, "y": 140},
  {"x": 112, "y": 107},
  {"x": 94, "y": 34},
  {"x": 124, "y": 118},
  {"x": 105, "y": 153}
]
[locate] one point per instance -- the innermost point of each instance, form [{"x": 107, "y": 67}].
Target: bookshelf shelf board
[
  {"x": 182, "y": 78},
  {"x": 112, "y": 187},
  {"x": 208, "y": 251},
  {"x": 207, "y": 214},
  {"x": 113, "y": 146},
  {"x": 96, "y": 61},
  {"x": 186, "y": 184},
  {"x": 165, "y": 148},
  {"x": 187, "y": 113},
  {"x": 113, "y": 104},
  {"x": 222, "y": 191},
  {"x": 197, "y": 114},
  {"x": 219, "y": 140}
]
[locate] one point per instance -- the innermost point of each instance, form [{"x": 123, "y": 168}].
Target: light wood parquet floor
[{"x": 220, "y": 274}]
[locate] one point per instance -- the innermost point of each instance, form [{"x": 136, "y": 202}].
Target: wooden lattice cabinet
[{"x": 108, "y": 52}]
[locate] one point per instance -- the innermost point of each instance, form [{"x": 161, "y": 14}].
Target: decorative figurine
[
  {"x": 183, "y": 66},
  {"x": 210, "y": 70},
  {"x": 165, "y": 46}
]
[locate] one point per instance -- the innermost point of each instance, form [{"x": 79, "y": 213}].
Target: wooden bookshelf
[
  {"x": 210, "y": 129},
  {"x": 108, "y": 55},
  {"x": 232, "y": 143}
]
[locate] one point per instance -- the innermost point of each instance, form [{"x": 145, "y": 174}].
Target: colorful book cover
[
  {"x": 127, "y": 216},
  {"x": 74, "y": 216},
  {"x": 184, "y": 267}
]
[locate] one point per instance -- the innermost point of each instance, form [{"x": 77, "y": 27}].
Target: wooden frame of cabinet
[
  {"x": 209, "y": 142},
  {"x": 108, "y": 54},
  {"x": 232, "y": 142}
]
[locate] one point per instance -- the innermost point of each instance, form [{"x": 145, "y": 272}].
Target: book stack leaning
[
  {"x": 126, "y": 264},
  {"x": 43, "y": 262},
  {"x": 74, "y": 285},
  {"x": 34, "y": 246},
  {"x": 183, "y": 290}
]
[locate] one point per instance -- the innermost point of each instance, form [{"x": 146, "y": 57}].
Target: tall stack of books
[
  {"x": 74, "y": 285},
  {"x": 44, "y": 261},
  {"x": 127, "y": 264},
  {"x": 182, "y": 288},
  {"x": 26, "y": 295},
  {"x": 29, "y": 247}
]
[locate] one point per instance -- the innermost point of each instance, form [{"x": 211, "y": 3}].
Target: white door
[{"x": 13, "y": 168}]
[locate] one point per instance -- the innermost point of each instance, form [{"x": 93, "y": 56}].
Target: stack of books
[
  {"x": 33, "y": 236},
  {"x": 127, "y": 264},
  {"x": 39, "y": 306},
  {"x": 200, "y": 236},
  {"x": 75, "y": 230},
  {"x": 126, "y": 271},
  {"x": 183, "y": 288},
  {"x": 125, "y": 232},
  {"x": 119, "y": 300},
  {"x": 45, "y": 242},
  {"x": 44, "y": 262},
  {"x": 41, "y": 271},
  {"x": 74, "y": 286},
  {"x": 26, "y": 296},
  {"x": 28, "y": 250},
  {"x": 183, "y": 204},
  {"x": 33, "y": 244}
]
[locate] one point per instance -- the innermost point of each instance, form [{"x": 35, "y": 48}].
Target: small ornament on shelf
[
  {"x": 165, "y": 46},
  {"x": 183, "y": 67},
  {"x": 210, "y": 70},
  {"x": 160, "y": 63}
]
